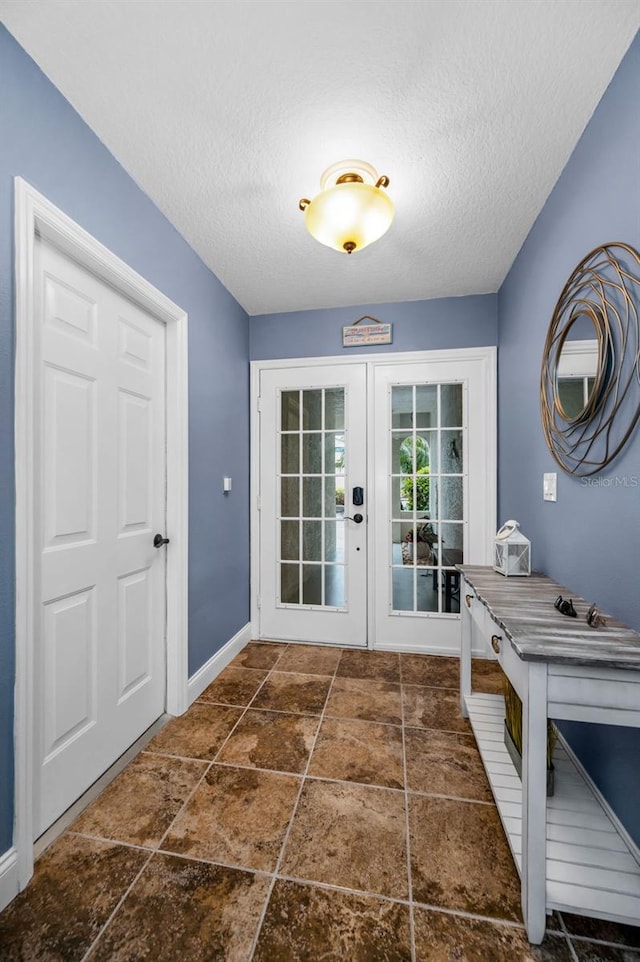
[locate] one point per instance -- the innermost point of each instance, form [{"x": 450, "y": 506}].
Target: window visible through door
[{"x": 427, "y": 497}]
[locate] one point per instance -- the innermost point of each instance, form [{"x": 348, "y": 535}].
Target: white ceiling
[{"x": 226, "y": 112}]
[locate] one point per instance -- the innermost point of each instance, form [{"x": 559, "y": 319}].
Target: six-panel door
[{"x": 100, "y": 589}]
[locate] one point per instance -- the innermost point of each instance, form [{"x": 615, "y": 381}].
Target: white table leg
[
  {"x": 465, "y": 651},
  {"x": 534, "y": 801}
]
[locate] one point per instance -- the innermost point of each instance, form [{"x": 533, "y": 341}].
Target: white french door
[
  {"x": 99, "y": 499},
  {"x": 375, "y": 479},
  {"x": 432, "y": 473},
  {"x": 312, "y": 454}
]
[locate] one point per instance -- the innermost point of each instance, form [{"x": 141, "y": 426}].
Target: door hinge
[
  {"x": 259, "y": 404},
  {"x": 258, "y": 602},
  {"x": 259, "y": 503}
]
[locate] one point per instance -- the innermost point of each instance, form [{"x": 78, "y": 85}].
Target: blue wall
[
  {"x": 45, "y": 142},
  {"x": 449, "y": 322},
  {"x": 590, "y": 538}
]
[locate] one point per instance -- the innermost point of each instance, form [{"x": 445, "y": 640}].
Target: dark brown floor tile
[
  {"x": 433, "y": 708},
  {"x": 286, "y": 691},
  {"x": 450, "y": 938},
  {"x": 238, "y": 816},
  {"x": 257, "y": 654},
  {"x": 267, "y": 739},
  {"x": 304, "y": 924},
  {"x": 349, "y": 835},
  {"x": 596, "y": 952},
  {"x": 359, "y": 751},
  {"x": 199, "y": 733},
  {"x": 486, "y": 676},
  {"x": 310, "y": 659},
  {"x": 589, "y": 928},
  {"x": 460, "y": 859},
  {"x": 184, "y": 910},
  {"x": 436, "y": 671},
  {"x": 367, "y": 699},
  {"x": 383, "y": 665},
  {"x": 234, "y": 686},
  {"x": 76, "y": 886},
  {"x": 443, "y": 763},
  {"x": 140, "y": 804}
]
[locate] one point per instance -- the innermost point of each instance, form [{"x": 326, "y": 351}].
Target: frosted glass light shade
[
  {"x": 352, "y": 210},
  {"x": 349, "y": 213}
]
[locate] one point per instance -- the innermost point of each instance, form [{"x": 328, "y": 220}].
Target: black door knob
[
  {"x": 358, "y": 518},
  {"x": 158, "y": 541}
]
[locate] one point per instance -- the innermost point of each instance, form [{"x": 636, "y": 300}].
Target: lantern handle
[{"x": 507, "y": 528}]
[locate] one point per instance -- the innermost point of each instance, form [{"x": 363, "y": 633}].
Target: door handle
[
  {"x": 158, "y": 541},
  {"x": 357, "y": 518}
]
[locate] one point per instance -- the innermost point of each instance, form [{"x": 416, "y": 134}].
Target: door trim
[
  {"x": 487, "y": 355},
  {"x": 37, "y": 216}
]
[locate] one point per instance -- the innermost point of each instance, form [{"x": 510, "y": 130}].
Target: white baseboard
[
  {"x": 9, "y": 886},
  {"x": 205, "y": 675},
  {"x": 613, "y": 818}
]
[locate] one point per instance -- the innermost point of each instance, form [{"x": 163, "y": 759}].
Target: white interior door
[
  {"x": 427, "y": 474},
  {"x": 100, "y": 497}
]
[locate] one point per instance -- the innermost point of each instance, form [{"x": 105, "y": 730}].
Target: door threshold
[{"x": 67, "y": 818}]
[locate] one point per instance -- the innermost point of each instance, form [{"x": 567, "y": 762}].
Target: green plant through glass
[{"x": 414, "y": 457}]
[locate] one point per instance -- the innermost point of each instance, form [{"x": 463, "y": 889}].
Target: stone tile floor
[{"x": 313, "y": 804}]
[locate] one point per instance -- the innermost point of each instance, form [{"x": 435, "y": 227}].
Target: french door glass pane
[
  {"x": 312, "y": 453},
  {"x": 290, "y": 497},
  {"x": 426, "y": 496},
  {"x": 334, "y": 586},
  {"x": 312, "y": 410},
  {"x": 312, "y": 480},
  {"x": 290, "y": 406},
  {"x": 289, "y": 584}
]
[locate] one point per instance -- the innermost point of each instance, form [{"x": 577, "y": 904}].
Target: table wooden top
[{"x": 523, "y": 607}]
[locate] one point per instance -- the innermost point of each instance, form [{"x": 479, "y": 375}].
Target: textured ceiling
[{"x": 226, "y": 113}]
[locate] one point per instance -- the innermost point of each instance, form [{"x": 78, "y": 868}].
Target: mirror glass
[{"x": 576, "y": 368}]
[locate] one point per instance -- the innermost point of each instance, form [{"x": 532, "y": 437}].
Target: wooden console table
[{"x": 570, "y": 850}]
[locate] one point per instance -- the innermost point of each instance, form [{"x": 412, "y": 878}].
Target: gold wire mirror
[{"x": 590, "y": 379}]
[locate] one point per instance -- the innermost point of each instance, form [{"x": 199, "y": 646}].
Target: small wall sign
[{"x": 357, "y": 334}]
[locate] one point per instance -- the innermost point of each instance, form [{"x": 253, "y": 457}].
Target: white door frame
[
  {"x": 486, "y": 355},
  {"x": 36, "y": 216}
]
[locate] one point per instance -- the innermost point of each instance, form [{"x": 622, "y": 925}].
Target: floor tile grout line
[
  {"x": 275, "y": 711},
  {"x": 232, "y": 866},
  {"x": 290, "y": 773},
  {"x": 117, "y": 907},
  {"x": 111, "y": 841},
  {"x": 412, "y": 933},
  {"x": 444, "y": 910},
  {"x": 184, "y": 805},
  {"x": 291, "y": 818}
]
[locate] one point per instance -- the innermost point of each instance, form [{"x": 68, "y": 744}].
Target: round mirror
[{"x": 590, "y": 378}]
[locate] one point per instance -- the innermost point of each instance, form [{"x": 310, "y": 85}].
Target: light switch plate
[{"x": 550, "y": 487}]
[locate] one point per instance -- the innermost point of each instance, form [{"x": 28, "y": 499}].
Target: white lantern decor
[{"x": 512, "y": 551}]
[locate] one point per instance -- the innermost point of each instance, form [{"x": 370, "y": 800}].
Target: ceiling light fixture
[{"x": 351, "y": 209}]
